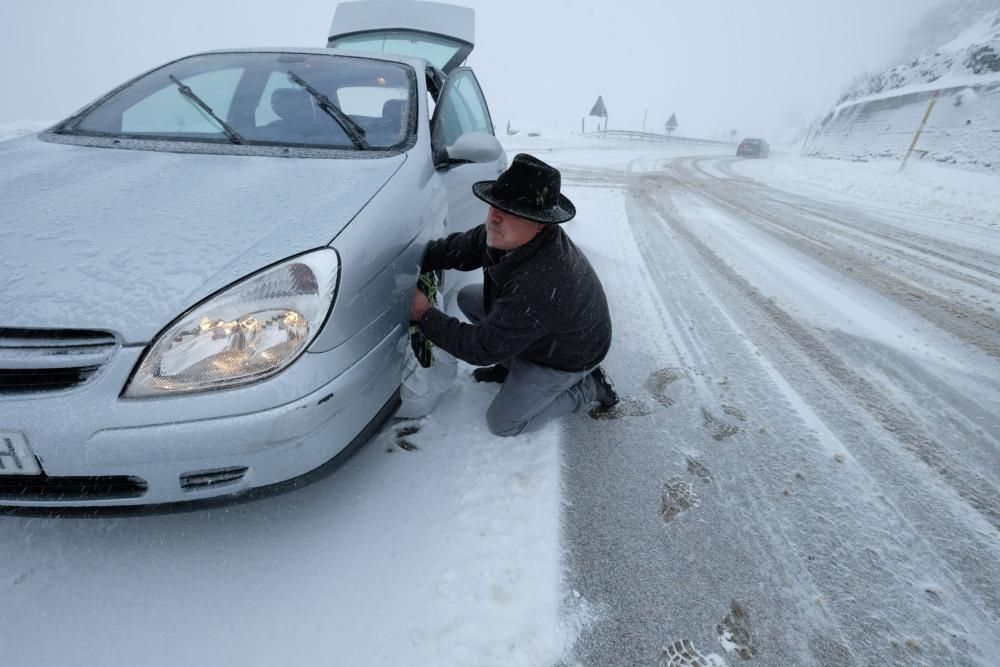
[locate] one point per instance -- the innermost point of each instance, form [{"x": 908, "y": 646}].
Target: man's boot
[
  {"x": 496, "y": 373},
  {"x": 606, "y": 395}
]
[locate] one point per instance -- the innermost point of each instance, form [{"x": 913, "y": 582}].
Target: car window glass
[
  {"x": 169, "y": 111},
  {"x": 475, "y": 106},
  {"x": 253, "y": 92},
  {"x": 264, "y": 113},
  {"x": 436, "y": 50},
  {"x": 367, "y": 101},
  {"x": 382, "y": 111},
  {"x": 461, "y": 110}
]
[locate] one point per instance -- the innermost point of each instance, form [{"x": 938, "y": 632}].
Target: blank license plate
[{"x": 15, "y": 456}]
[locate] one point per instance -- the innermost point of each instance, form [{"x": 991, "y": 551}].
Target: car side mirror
[{"x": 477, "y": 147}]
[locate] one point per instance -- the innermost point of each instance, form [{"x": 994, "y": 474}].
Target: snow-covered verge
[
  {"x": 21, "y": 128},
  {"x": 878, "y": 117},
  {"x": 523, "y": 142},
  {"x": 436, "y": 544},
  {"x": 926, "y": 189},
  {"x": 962, "y": 130},
  {"x": 574, "y": 150}
]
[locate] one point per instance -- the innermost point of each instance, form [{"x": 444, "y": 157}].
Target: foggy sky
[{"x": 759, "y": 66}]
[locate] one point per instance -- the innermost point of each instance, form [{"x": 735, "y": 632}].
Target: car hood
[{"x": 128, "y": 240}]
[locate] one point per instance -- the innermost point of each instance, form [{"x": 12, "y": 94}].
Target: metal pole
[
  {"x": 644, "y": 114},
  {"x": 806, "y": 140},
  {"x": 916, "y": 137}
]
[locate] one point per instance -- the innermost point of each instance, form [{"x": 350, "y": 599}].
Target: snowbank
[
  {"x": 21, "y": 128},
  {"x": 522, "y": 126},
  {"x": 961, "y": 130}
]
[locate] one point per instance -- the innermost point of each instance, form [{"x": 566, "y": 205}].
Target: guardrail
[{"x": 650, "y": 136}]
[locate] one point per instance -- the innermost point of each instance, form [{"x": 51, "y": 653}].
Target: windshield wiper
[
  {"x": 186, "y": 91},
  {"x": 355, "y": 132}
]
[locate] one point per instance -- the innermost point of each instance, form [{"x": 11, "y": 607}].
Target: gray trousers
[{"x": 532, "y": 395}]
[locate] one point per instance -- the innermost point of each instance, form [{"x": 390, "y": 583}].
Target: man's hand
[{"x": 418, "y": 306}]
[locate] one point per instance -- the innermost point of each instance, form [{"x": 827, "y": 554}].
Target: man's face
[{"x": 505, "y": 231}]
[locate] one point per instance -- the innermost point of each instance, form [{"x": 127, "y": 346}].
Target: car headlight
[{"x": 248, "y": 332}]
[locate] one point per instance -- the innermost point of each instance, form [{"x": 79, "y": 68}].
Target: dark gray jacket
[{"x": 544, "y": 303}]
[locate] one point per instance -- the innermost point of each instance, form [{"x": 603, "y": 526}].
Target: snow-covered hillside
[
  {"x": 942, "y": 24},
  {"x": 975, "y": 52},
  {"x": 878, "y": 117}
]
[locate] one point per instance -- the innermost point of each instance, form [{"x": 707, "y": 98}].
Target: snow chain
[{"x": 428, "y": 284}]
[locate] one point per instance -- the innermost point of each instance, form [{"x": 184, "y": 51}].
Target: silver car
[{"x": 207, "y": 272}]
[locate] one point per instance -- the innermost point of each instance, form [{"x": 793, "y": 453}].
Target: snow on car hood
[{"x": 127, "y": 240}]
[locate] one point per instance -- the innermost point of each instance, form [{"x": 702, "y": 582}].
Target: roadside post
[
  {"x": 805, "y": 142},
  {"x": 916, "y": 137}
]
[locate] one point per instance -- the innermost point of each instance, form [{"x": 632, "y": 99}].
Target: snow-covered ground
[
  {"x": 923, "y": 189},
  {"x": 805, "y": 458},
  {"x": 21, "y": 128},
  {"x": 439, "y": 547}
]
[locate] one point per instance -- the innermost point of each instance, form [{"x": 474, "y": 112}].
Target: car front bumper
[{"x": 198, "y": 446}]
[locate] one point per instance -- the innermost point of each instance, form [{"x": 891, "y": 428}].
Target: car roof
[{"x": 417, "y": 63}]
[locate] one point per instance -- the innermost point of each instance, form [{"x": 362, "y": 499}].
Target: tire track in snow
[
  {"x": 650, "y": 580},
  {"x": 827, "y": 592},
  {"x": 978, "y": 491},
  {"x": 745, "y": 497},
  {"x": 893, "y": 236},
  {"x": 974, "y": 326}
]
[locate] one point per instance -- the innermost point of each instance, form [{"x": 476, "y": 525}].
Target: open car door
[
  {"x": 443, "y": 35},
  {"x": 462, "y": 110}
]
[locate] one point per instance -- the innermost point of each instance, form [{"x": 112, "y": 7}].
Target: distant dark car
[{"x": 753, "y": 148}]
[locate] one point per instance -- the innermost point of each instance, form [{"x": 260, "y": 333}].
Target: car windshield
[{"x": 263, "y": 98}]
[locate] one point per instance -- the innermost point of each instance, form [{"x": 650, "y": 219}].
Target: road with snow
[{"x": 803, "y": 471}]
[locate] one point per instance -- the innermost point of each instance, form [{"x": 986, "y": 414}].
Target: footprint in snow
[
  {"x": 735, "y": 633},
  {"x": 658, "y": 381},
  {"x": 401, "y": 438},
  {"x": 734, "y": 411},
  {"x": 720, "y": 430},
  {"x": 678, "y": 497},
  {"x": 627, "y": 407},
  {"x": 698, "y": 469},
  {"x": 684, "y": 654}
]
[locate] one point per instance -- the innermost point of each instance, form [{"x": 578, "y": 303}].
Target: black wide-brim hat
[{"x": 528, "y": 189}]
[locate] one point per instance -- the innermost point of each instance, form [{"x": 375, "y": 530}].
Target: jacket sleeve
[
  {"x": 506, "y": 331},
  {"x": 462, "y": 250}
]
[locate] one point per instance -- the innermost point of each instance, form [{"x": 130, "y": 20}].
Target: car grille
[
  {"x": 43, "y": 487},
  {"x": 38, "y": 360},
  {"x": 206, "y": 479}
]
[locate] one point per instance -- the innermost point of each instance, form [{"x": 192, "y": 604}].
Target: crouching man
[{"x": 540, "y": 321}]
